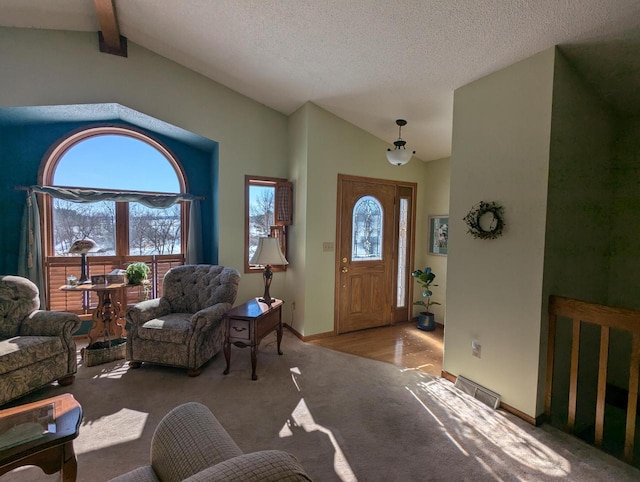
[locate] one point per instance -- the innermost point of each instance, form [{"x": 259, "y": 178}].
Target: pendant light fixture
[{"x": 399, "y": 155}]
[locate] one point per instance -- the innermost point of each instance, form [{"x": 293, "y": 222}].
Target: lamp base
[
  {"x": 267, "y": 275},
  {"x": 84, "y": 278}
]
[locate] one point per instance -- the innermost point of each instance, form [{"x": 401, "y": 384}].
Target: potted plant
[
  {"x": 137, "y": 275},
  {"x": 137, "y": 272},
  {"x": 426, "y": 319}
]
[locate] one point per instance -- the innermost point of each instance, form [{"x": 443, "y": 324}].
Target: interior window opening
[{"x": 268, "y": 213}]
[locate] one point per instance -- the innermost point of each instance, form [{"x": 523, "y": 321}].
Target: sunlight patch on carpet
[
  {"x": 120, "y": 427},
  {"x": 474, "y": 422},
  {"x": 301, "y": 418},
  {"x": 113, "y": 372},
  {"x": 442, "y": 426},
  {"x": 295, "y": 371}
]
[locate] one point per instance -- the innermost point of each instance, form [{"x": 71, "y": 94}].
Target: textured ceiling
[{"x": 367, "y": 61}]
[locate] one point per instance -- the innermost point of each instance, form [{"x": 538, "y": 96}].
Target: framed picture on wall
[{"x": 438, "y": 234}]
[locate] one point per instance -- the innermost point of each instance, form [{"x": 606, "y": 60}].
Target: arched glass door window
[
  {"x": 115, "y": 159},
  {"x": 367, "y": 230}
]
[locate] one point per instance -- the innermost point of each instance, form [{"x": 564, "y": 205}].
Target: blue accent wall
[{"x": 23, "y": 147}]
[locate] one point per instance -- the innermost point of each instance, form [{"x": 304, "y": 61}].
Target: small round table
[{"x": 107, "y": 317}]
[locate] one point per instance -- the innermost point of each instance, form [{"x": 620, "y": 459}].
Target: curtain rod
[{"x": 199, "y": 198}]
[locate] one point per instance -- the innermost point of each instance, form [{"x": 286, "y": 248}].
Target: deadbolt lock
[{"x": 344, "y": 260}]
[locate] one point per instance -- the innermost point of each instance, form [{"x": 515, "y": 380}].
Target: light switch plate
[{"x": 327, "y": 246}]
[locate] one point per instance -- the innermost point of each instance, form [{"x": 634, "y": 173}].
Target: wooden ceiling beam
[{"x": 109, "y": 38}]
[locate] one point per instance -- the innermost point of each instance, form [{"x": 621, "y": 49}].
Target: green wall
[
  {"x": 45, "y": 68},
  {"x": 436, "y": 202},
  {"x": 334, "y": 146},
  {"x": 624, "y": 276},
  {"x": 42, "y": 67},
  {"x": 579, "y": 221},
  {"x": 500, "y": 152}
]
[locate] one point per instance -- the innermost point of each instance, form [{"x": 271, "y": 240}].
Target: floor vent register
[{"x": 486, "y": 396}]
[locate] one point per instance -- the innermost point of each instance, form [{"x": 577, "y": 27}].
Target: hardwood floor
[{"x": 401, "y": 344}]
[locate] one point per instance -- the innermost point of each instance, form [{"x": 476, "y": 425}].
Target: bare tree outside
[
  {"x": 164, "y": 234},
  {"x": 154, "y": 231},
  {"x": 73, "y": 221},
  {"x": 139, "y": 225},
  {"x": 151, "y": 231},
  {"x": 261, "y": 214}
]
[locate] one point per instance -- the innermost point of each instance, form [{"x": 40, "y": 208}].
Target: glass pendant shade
[{"x": 399, "y": 157}]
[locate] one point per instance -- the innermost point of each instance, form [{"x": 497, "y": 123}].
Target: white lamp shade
[
  {"x": 399, "y": 157},
  {"x": 268, "y": 253}
]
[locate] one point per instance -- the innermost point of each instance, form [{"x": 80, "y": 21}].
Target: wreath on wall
[{"x": 480, "y": 210}]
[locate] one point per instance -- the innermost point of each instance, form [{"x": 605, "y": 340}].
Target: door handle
[{"x": 345, "y": 269}]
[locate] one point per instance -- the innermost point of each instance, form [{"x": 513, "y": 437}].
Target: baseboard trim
[
  {"x": 506, "y": 407},
  {"x": 527, "y": 418},
  {"x": 449, "y": 376},
  {"x": 317, "y": 336}
]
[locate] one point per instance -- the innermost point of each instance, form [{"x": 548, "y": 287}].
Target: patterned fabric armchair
[
  {"x": 184, "y": 328},
  {"x": 36, "y": 346},
  {"x": 189, "y": 444}
]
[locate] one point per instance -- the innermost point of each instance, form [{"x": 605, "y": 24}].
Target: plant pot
[{"x": 426, "y": 321}]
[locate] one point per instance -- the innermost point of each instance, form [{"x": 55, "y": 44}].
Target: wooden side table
[
  {"x": 247, "y": 324},
  {"x": 107, "y": 317},
  {"x": 52, "y": 451}
]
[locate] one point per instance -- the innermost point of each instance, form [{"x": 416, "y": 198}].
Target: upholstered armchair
[
  {"x": 185, "y": 327},
  {"x": 190, "y": 444},
  {"x": 36, "y": 346}
]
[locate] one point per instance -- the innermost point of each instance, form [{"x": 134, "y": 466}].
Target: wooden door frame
[{"x": 411, "y": 240}]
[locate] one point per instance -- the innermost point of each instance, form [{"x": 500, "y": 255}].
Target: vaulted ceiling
[{"x": 367, "y": 61}]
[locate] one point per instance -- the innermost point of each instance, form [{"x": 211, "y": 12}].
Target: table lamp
[
  {"x": 268, "y": 254},
  {"x": 82, "y": 247}
]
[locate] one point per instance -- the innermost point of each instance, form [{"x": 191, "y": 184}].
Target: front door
[{"x": 366, "y": 263}]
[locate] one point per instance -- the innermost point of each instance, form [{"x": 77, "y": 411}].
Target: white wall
[
  {"x": 500, "y": 152},
  {"x": 41, "y": 67}
]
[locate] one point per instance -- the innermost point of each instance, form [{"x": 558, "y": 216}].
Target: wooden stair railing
[{"x": 607, "y": 318}]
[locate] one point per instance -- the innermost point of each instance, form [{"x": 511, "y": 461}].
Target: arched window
[
  {"x": 367, "y": 230},
  {"x": 117, "y": 160}
]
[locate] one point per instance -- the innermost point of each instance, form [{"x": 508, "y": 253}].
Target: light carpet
[{"x": 344, "y": 417}]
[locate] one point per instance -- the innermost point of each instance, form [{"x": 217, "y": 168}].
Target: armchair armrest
[
  {"x": 50, "y": 323},
  {"x": 187, "y": 440},
  {"x": 54, "y": 323},
  {"x": 266, "y": 466},
  {"x": 206, "y": 318},
  {"x": 144, "y": 311}
]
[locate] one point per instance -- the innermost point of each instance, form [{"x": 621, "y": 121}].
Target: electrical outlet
[{"x": 476, "y": 348}]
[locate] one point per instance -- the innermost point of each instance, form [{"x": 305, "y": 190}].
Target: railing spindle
[
  {"x": 633, "y": 398},
  {"x": 573, "y": 380},
  {"x": 606, "y": 317},
  {"x": 602, "y": 383}
]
